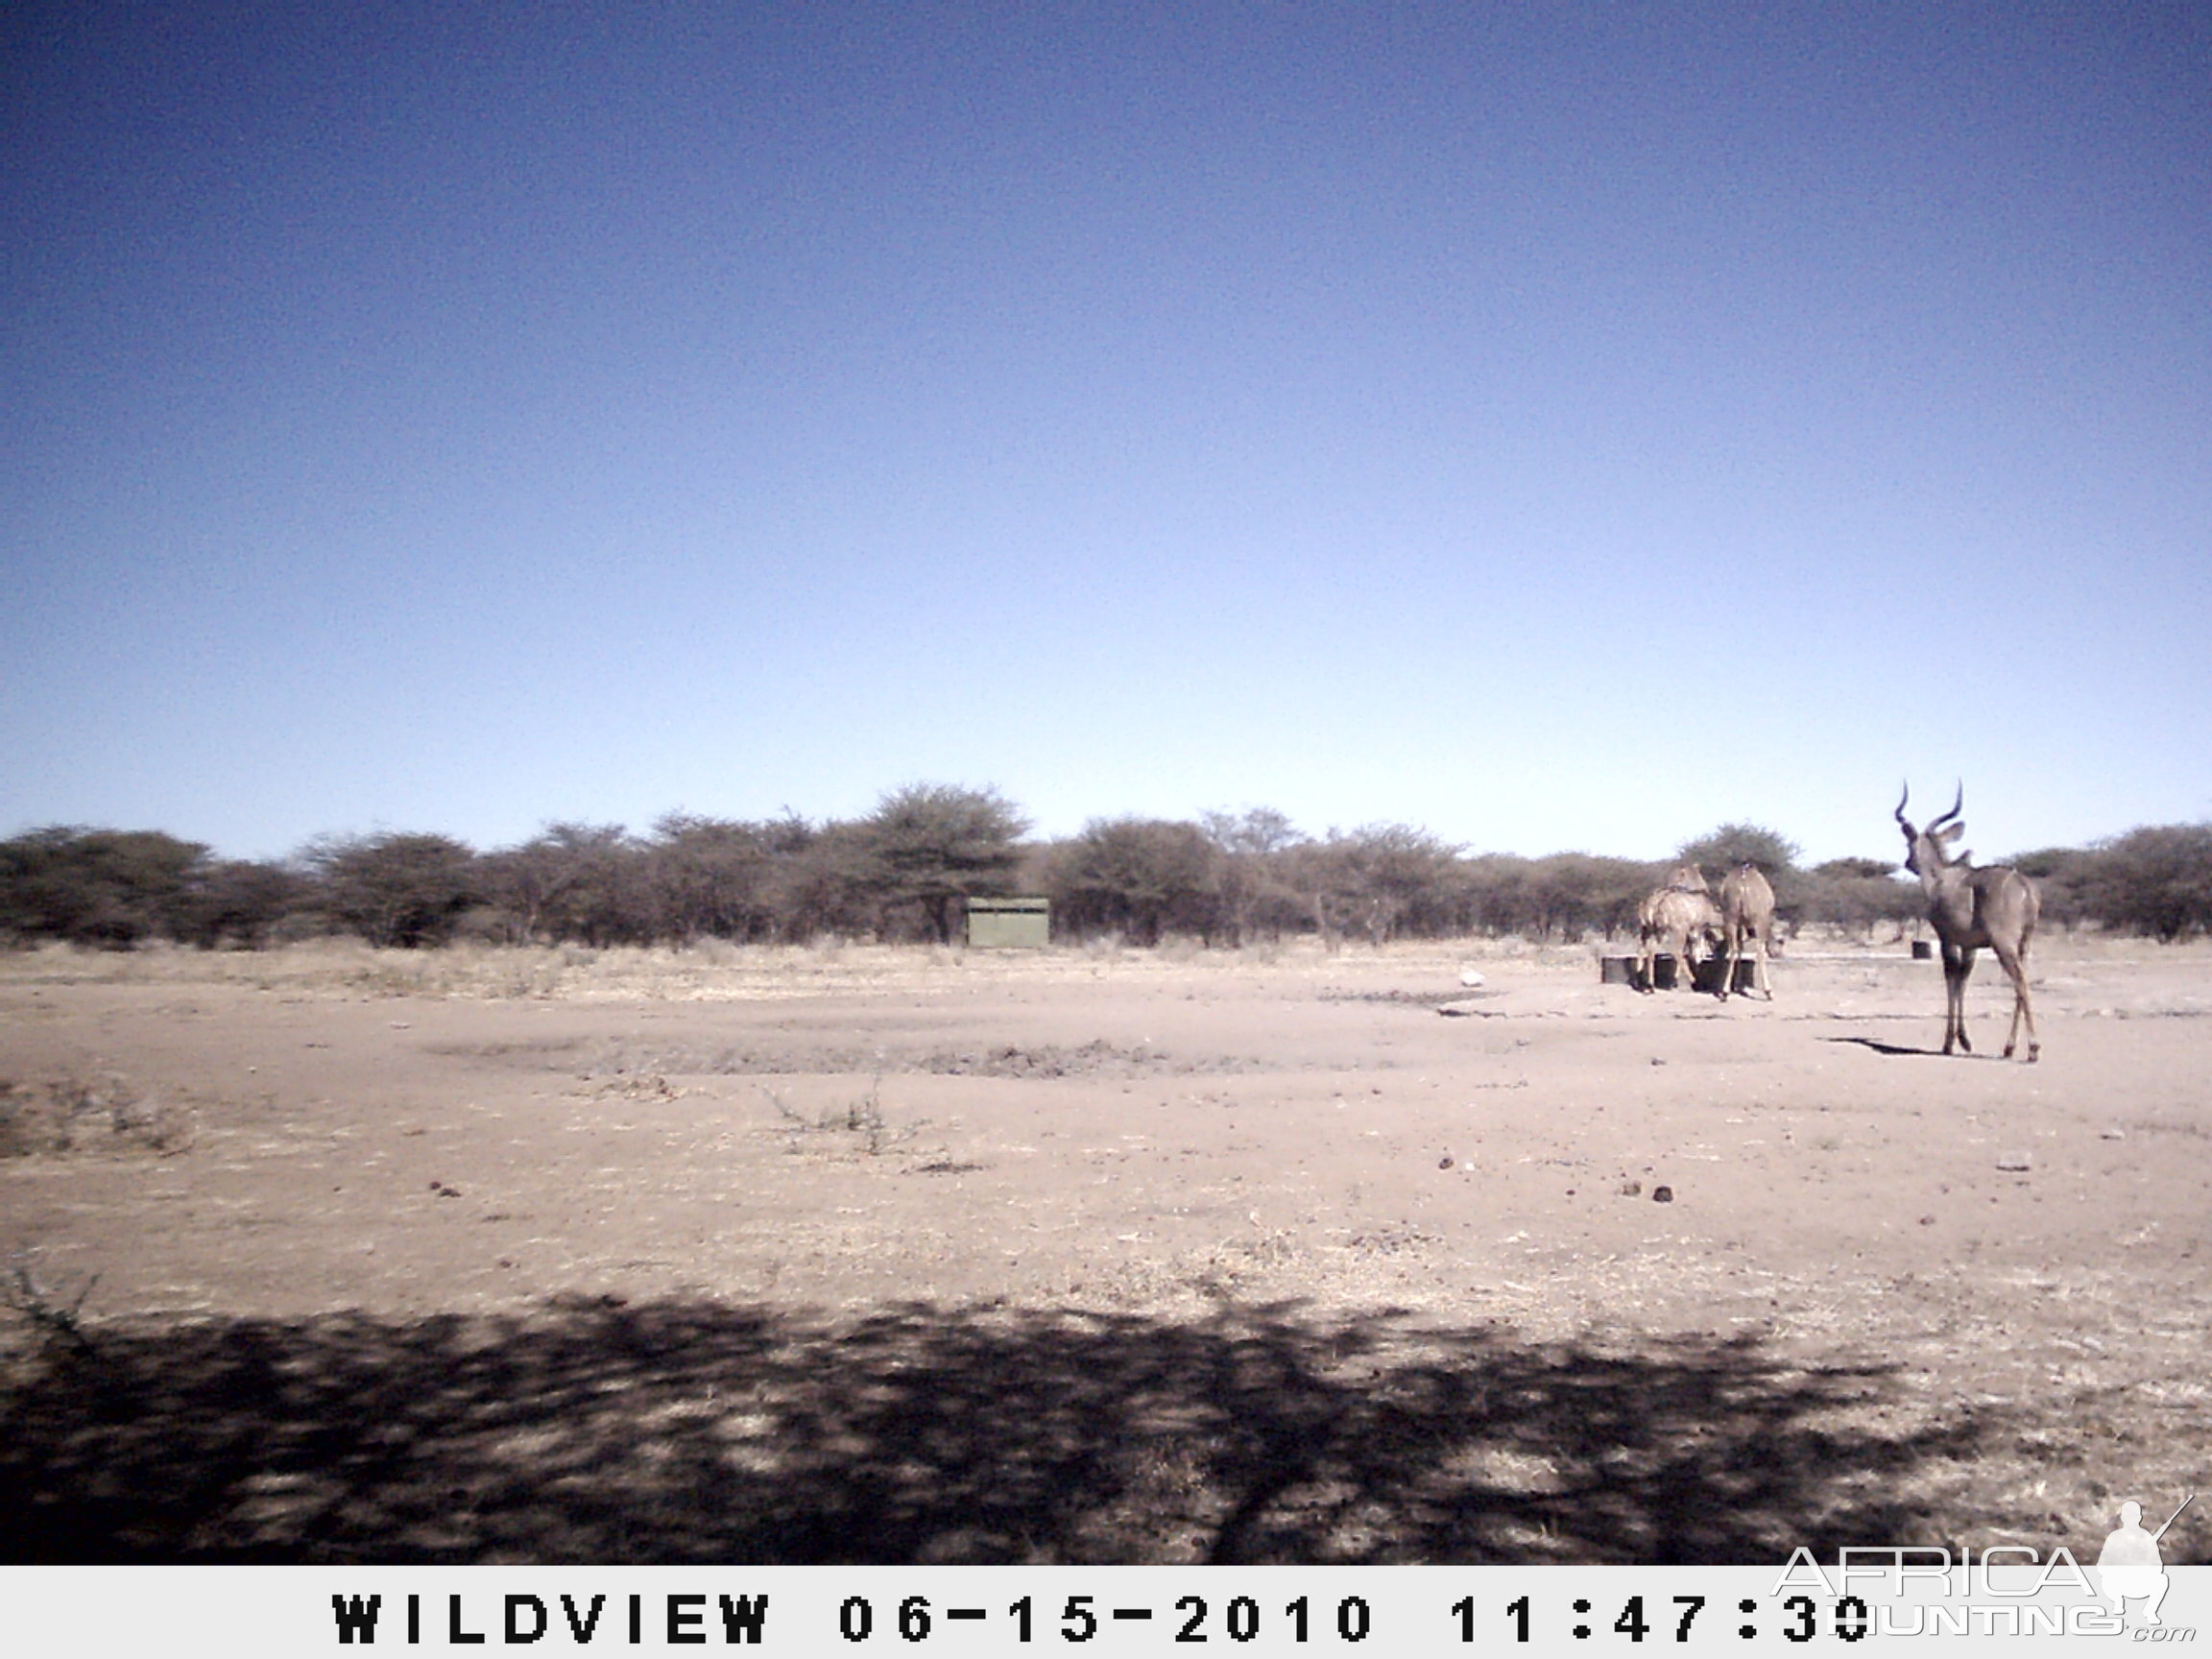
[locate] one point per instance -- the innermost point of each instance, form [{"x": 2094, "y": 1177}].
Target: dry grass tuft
[{"x": 89, "y": 1115}]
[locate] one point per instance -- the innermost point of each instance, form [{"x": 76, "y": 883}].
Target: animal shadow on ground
[
  {"x": 695, "y": 1431},
  {"x": 1880, "y": 1048}
]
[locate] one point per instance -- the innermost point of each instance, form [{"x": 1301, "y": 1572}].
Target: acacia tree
[
  {"x": 2066, "y": 884},
  {"x": 1734, "y": 844},
  {"x": 109, "y": 887},
  {"x": 1499, "y": 899},
  {"x": 1143, "y": 875},
  {"x": 1570, "y": 894},
  {"x": 721, "y": 879},
  {"x": 1376, "y": 881},
  {"x": 242, "y": 900},
  {"x": 1411, "y": 878},
  {"x": 583, "y": 883},
  {"x": 929, "y": 846},
  {"x": 2155, "y": 880},
  {"x": 830, "y": 883},
  {"x": 395, "y": 889},
  {"x": 1775, "y": 855},
  {"x": 1856, "y": 893},
  {"x": 1253, "y": 852}
]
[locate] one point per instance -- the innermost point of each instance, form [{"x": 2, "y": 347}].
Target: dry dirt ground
[{"x": 892, "y": 1255}]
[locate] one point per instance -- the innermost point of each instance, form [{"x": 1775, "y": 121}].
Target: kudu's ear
[{"x": 1950, "y": 833}]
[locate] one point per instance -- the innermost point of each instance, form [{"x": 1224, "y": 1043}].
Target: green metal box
[{"x": 1009, "y": 923}]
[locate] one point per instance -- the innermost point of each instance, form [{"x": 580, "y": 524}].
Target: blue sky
[{"x": 1555, "y": 426}]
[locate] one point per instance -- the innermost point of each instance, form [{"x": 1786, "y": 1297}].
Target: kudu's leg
[
  {"x": 2015, "y": 966},
  {"x": 1734, "y": 939},
  {"x": 1958, "y": 964}
]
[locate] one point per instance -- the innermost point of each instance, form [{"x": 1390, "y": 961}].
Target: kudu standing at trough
[
  {"x": 1746, "y": 914},
  {"x": 1674, "y": 914},
  {"x": 1971, "y": 908}
]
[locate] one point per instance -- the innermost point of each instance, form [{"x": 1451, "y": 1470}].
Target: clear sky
[{"x": 1551, "y": 425}]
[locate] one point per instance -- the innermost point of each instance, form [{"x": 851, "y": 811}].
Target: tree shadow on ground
[{"x": 693, "y": 1432}]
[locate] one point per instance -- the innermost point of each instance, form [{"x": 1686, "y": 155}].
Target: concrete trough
[{"x": 1666, "y": 972}]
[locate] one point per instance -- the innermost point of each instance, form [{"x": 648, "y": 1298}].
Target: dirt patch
[
  {"x": 1097, "y": 1058},
  {"x": 905, "y": 1255},
  {"x": 1436, "y": 998}
]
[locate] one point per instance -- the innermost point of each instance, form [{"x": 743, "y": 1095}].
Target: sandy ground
[{"x": 1271, "y": 1256}]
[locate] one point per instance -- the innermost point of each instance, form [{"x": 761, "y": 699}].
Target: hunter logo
[{"x": 2129, "y": 1566}]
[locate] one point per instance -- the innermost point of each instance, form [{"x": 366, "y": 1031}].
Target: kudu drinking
[
  {"x": 1674, "y": 915},
  {"x": 1972, "y": 908}
]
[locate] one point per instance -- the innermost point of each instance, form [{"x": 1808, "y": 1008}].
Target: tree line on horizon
[{"x": 905, "y": 870}]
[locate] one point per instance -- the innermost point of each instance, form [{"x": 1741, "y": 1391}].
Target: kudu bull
[{"x": 1972, "y": 908}]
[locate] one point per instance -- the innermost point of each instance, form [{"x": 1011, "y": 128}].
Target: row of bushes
[{"x": 905, "y": 869}]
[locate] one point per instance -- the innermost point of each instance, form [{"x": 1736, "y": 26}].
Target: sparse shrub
[
  {"x": 861, "y": 1118},
  {"x": 51, "y": 1310}
]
